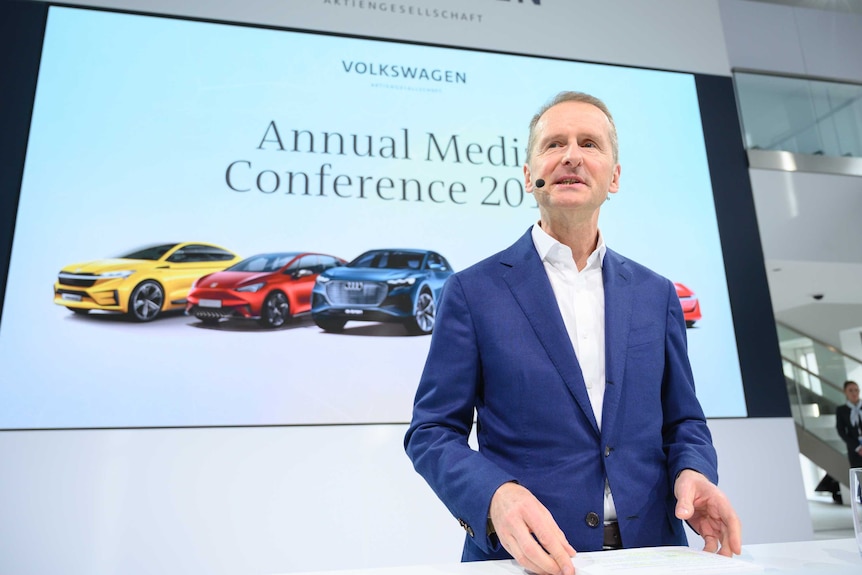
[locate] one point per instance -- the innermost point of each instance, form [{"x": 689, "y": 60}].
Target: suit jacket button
[{"x": 592, "y": 519}]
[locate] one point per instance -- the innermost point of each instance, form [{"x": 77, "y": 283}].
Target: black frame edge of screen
[
  {"x": 22, "y": 30},
  {"x": 754, "y": 322}
]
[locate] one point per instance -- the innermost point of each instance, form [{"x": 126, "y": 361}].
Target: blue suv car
[{"x": 386, "y": 285}]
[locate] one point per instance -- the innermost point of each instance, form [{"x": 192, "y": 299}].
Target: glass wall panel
[{"x": 799, "y": 115}]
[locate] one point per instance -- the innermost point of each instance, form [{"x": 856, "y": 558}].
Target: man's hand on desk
[
  {"x": 703, "y": 505},
  {"x": 517, "y": 517}
]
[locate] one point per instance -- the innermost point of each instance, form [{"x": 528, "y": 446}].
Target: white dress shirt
[{"x": 580, "y": 296}]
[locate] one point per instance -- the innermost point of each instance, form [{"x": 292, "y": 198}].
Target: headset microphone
[{"x": 540, "y": 183}]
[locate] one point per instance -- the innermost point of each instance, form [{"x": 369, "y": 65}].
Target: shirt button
[{"x": 592, "y": 519}]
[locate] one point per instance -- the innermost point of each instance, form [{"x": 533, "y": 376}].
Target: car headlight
[
  {"x": 323, "y": 279},
  {"x": 402, "y": 282},
  {"x": 251, "y": 288},
  {"x": 117, "y": 274}
]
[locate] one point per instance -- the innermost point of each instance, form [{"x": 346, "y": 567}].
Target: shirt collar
[{"x": 552, "y": 251}]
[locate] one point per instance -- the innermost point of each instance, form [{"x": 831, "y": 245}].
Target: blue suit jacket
[{"x": 500, "y": 347}]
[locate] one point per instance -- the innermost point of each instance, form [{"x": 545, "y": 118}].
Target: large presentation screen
[{"x": 225, "y": 225}]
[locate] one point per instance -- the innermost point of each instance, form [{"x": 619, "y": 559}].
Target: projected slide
[{"x": 195, "y": 195}]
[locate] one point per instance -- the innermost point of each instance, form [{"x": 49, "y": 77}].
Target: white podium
[{"x": 825, "y": 557}]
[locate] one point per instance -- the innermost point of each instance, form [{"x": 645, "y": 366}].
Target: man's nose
[{"x": 573, "y": 156}]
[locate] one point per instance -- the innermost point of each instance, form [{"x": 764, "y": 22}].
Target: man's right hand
[{"x": 529, "y": 533}]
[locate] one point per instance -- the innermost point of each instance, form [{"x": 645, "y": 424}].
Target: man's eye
[
  {"x": 589, "y": 144},
  {"x": 553, "y": 145}
]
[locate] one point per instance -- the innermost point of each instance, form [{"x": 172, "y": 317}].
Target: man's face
[
  {"x": 852, "y": 393},
  {"x": 573, "y": 154}
]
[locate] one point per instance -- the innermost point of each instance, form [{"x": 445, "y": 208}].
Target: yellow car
[{"x": 142, "y": 283}]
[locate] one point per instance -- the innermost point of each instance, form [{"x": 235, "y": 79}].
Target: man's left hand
[{"x": 707, "y": 510}]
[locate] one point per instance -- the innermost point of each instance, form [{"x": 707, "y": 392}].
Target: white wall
[
  {"x": 810, "y": 243},
  {"x": 810, "y": 237},
  {"x": 793, "y": 40},
  {"x": 612, "y": 31},
  {"x": 279, "y": 499},
  {"x": 263, "y": 500}
]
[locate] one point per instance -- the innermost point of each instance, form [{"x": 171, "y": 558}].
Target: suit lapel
[
  {"x": 618, "y": 311},
  {"x": 526, "y": 278}
]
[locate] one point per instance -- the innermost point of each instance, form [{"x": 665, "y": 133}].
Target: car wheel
[
  {"x": 689, "y": 324},
  {"x": 146, "y": 301},
  {"x": 332, "y": 325},
  {"x": 422, "y": 322},
  {"x": 275, "y": 311}
]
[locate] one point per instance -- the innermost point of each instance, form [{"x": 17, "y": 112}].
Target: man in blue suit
[{"x": 574, "y": 360}]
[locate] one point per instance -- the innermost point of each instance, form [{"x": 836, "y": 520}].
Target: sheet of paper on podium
[{"x": 660, "y": 561}]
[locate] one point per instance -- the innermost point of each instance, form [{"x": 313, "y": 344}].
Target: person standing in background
[{"x": 848, "y": 421}]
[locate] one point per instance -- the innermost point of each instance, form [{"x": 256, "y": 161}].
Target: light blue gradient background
[{"x": 135, "y": 121}]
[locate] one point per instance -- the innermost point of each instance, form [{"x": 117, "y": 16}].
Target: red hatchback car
[
  {"x": 269, "y": 288},
  {"x": 690, "y": 304}
]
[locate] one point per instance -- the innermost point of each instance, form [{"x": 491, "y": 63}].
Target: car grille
[
  {"x": 77, "y": 280},
  {"x": 206, "y": 313},
  {"x": 358, "y": 293}
]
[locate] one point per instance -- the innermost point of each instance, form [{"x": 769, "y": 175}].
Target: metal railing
[
  {"x": 814, "y": 396},
  {"x": 800, "y": 124},
  {"x": 813, "y": 401},
  {"x": 800, "y": 115}
]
